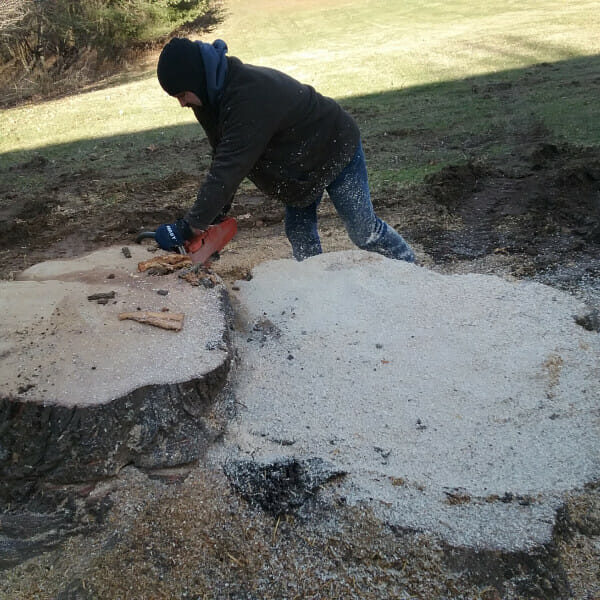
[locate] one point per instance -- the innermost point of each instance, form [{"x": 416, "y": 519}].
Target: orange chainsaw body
[{"x": 201, "y": 247}]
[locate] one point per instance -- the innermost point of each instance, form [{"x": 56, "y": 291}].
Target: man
[{"x": 289, "y": 140}]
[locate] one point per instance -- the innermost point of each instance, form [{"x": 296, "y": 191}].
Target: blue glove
[{"x": 171, "y": 237}]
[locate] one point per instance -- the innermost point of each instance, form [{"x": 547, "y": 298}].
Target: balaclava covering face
[{"x": 196, "y": 67}]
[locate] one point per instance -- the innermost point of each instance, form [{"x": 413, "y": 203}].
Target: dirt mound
[{"x": 547, "y": 204}]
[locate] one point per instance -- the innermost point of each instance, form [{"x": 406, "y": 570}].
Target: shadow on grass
[{"x": 407, "y": 133}]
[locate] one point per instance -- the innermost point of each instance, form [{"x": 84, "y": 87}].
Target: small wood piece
[
  {"x": 172, "y": 321},
  {"x": 165, "y": 263},
  {"x": 102, "y": 296}
]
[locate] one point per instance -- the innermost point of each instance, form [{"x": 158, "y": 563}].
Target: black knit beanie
[{"x": 181, "y": 69}]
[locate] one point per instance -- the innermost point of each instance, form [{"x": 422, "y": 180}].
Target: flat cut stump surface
[
  {"x": 463, "y": 405},
  {"x": 58, "y": 347}
]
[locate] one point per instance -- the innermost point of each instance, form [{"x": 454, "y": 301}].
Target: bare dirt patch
[{"x": 537, "y": 212}]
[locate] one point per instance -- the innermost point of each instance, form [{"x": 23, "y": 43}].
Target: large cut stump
[{"x": 83, "y": 393}]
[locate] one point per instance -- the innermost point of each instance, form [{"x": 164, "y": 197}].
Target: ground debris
[
  {"x": 589, "y": 320},
  {"x": 163, "y": 532},
  {"x": 280, "y": 486},
  {"x": 171, "y": 321},
  {"x": 457, "y": 497},
  {"x": 266, "y": 329},
  {"x": 200, "y": 277}
]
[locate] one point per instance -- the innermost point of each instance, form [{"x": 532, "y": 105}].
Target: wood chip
[
  {"x": 172, "y": 321},
  {"x": 166, "y": 263}
]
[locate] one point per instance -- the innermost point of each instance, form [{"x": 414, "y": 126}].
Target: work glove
[{"x": 173, "y": 236}]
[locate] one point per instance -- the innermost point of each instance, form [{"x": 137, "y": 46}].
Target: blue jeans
[{"x": 350, "y": 195}]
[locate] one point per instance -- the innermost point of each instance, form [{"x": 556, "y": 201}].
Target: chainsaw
[{"x": 203, "y": 247}]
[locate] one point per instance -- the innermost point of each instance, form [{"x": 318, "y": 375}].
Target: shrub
[{"x": 32, "y": 31}]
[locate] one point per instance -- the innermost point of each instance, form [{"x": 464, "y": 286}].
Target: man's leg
[
  {"x": 351, "y": 197},
  {"x": 301, "y": 230}
]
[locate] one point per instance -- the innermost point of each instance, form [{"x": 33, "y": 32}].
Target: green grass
[
  {"x": 424, "y": 80},
  {"x": 349, "y": 48}
]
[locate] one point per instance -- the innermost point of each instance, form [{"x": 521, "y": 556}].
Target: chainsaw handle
[
  {"x": 204, "y": 244},
  {"x": 151, "y": 235},
  {"x": 145, "y": 235}
]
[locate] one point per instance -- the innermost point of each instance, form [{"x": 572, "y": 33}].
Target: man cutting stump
[{"x": 289, "y": 140}]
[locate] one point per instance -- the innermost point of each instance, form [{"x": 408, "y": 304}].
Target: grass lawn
[{"x": 430, "y": 84}]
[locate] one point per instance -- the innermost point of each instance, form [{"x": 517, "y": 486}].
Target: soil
[{"x": 534, "y": 214}]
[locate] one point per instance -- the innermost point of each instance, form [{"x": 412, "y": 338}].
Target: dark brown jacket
[{"x": 288, "y": 139}]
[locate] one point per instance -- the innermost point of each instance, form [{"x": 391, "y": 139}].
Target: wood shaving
[
  {"x": 172, "y": 321},
  {"x": 166, "y": 263}
]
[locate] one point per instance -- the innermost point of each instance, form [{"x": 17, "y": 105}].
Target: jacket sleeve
[{"x": 245, "y": 137}]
